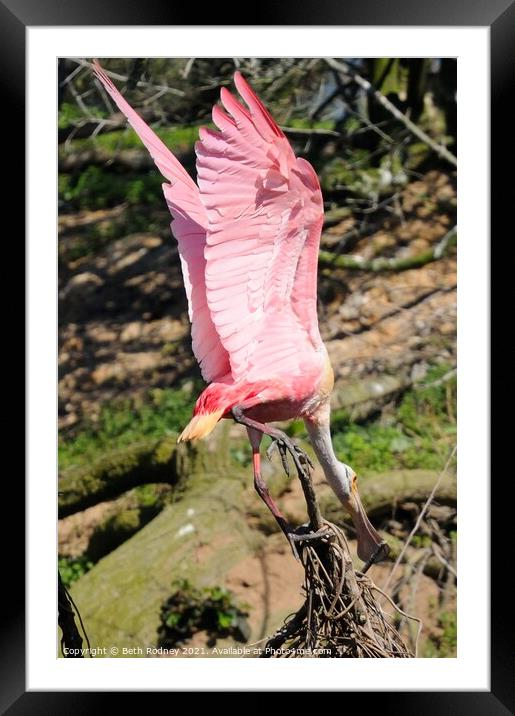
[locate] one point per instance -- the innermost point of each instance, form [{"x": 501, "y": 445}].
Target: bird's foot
[
  {"x": 286, "y": 445},
  {"x": 302, "y": 535},
  {"x": 282, "y": 450}
]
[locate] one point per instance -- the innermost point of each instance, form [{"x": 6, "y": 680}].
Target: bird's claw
[
  {"x": 299, "y": 457},
  {"x": 303, "y": 457},
  {"x": 281, "y": 448}
]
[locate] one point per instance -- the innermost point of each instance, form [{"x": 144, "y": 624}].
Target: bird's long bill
[{"x": 371, "y": 547}]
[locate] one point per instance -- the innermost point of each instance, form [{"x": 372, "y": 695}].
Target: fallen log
[
  {"x": 382, "y": 263},
  {"x": 147, "y": 461},
  {"x": 132, "y": 159}
]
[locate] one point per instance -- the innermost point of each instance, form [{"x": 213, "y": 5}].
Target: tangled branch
[{"x": 341, "y": 615}]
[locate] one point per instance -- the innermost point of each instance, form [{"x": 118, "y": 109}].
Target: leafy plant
[
  {"x": 190, "y": 610},
  {"x": 96, "y": 188},
  {"x": 72, "y": 568}
]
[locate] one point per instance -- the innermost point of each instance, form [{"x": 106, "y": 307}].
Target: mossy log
[
  {"x": 135, "y": 160},
  {"x": 380, "y": 493},
  {"x": 143, "y": 462},
  {"x": 200, "y": 537},
  {"x": 360, "y": 398},
  {"x": 383, "y": 263}
]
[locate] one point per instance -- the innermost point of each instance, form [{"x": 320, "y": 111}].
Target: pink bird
[{"x": 248, "y": 238}]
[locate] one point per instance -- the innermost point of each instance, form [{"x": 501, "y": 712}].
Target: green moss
[
  {"x": 241, "y": 453},
  {"x": 150, "y": 496},
  {"x": 116, "y": 530}
]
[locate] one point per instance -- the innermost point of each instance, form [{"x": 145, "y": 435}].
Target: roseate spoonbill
[{"x": 248, "y": 238}]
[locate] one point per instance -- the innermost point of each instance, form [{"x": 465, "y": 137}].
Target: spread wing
[
  {"x": 189, "y": 228},
  {"x": 265, "y": 213}
]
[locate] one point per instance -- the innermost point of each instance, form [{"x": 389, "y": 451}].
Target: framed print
[{"x": 374, "y": 135}]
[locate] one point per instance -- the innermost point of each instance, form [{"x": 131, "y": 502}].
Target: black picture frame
[{"x": 499, "y": 15}]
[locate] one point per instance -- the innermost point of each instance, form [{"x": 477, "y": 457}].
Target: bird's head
[
  {"x": 345, "y": 479},
  {"x": 371, "y": 546}
]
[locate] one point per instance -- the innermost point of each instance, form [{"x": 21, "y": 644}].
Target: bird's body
[
  {"x": 277, "y": 398},
  {"x": 248, "y": 238}
]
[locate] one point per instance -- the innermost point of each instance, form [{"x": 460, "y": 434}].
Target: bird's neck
[{"x": 320, "y": 436}]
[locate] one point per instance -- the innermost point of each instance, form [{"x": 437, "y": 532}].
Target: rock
[
  {"x": 132, "y": 331},
  {"x": 81, "y": 286}
]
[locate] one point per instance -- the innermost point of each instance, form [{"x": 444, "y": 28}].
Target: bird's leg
[
  {"x": 281, "y": 440},
  {"x": 261, "y": 488}
]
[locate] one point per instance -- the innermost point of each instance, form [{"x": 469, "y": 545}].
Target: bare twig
[
  {"x": 419, "y": 519},
  {"x": 124, "y": 78},
  {"x": 379, "y": 97},
  {"x": 340, "y": 616}
]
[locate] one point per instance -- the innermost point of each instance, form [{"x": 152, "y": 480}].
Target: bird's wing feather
[
  {"x": 265, "y": 212},
  {"x": 189, "y": 228}
]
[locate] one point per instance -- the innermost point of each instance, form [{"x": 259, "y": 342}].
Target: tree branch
[
  {"x": 439, "y": 149},
  {"x": 390, "y": 264}
]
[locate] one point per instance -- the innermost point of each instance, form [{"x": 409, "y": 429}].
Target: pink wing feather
[
  {"x": 265, "y": 213},
  {"x": 189, "y": 228}
]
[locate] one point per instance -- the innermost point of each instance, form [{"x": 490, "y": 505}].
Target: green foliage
[
  {"x": 304, "y": 123},
  {"x": 190, "y": 610},
  {"x": 163, "y": 412},
  {"x": 96, "y": 188},
  {"x": 417, "y": 434},
  {"x": 70, "y": 113},
  {"x": 445, "y": 644},
  {"x": 72, "y": 568},
  {"x": 178, "y": 139},
  {"x": 356, "y": 174}
]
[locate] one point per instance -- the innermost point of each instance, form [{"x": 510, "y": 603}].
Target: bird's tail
[
  {"x": 200, "y": 425},
  {"x": 215, "y": 402}
]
